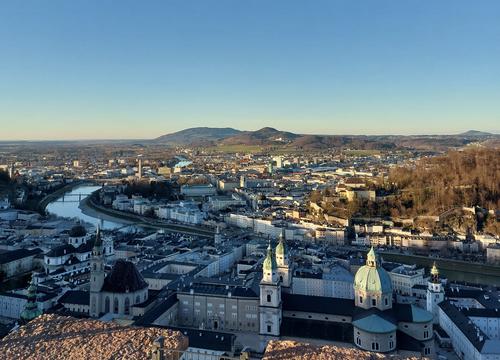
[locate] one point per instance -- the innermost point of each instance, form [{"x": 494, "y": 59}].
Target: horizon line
[{"x": 229, "y": 127}]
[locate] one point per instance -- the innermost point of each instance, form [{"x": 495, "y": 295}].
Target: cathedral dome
[{"x": 372, "y": 277}]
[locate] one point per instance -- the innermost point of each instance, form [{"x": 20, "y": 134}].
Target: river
[{"x": 67, "y": 206}]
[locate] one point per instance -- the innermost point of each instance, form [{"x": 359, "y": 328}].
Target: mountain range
[{"x": 268, "y": 136}]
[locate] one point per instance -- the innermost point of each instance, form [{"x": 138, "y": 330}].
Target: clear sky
[{"x": 80, "y": 69}]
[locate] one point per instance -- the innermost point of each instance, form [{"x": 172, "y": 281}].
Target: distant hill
[
  {"x": 264, "y": 136},
  {"x": 197, "y": 135},
  {"x": 271, "y": 137},
  {"x": 476, "y": 133}
]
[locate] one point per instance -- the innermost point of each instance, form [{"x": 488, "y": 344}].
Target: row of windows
[
  {"x": 222, "y": 306},
  {"x": 375, "y": 345},
  {"x": 326, "y": 318},
  {"x": 229, "y": 323}
]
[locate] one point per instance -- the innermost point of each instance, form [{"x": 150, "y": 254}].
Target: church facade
[
  {"x": 117, "y": 292},
  {"x": 372, "y": 321}
]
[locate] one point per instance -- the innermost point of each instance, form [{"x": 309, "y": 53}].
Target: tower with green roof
[
  {"x": 435, "y": 293},
  {"x": 270, "y": 296},
  {"x": 284, "y": 271},
  {"x": 372, "y": 284},
  {"x": 31, "y": 309}
]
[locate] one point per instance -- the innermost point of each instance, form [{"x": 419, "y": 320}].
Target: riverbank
[
  {"x": 454, "y": 270},
  {"x": 90, "y": 208},
  {"x": 44, "y": 202}
]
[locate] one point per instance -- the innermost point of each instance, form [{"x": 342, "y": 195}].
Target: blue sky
[{"x": 83, "y": 69}]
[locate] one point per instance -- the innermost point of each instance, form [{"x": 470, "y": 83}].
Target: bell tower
[
  {"x": 270, "y": 297},
  {"x": 435, "y": 293},
  {"x": 284, "y": 271},
  {"x": 96, "y": 275}
]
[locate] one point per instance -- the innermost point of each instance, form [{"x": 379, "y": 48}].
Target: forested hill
[{"x": 460, "y": 178}]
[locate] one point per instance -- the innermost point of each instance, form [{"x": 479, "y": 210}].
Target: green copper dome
[
  {"x": 372, "y": 277},
  {"x": 270, "y": 261},
  {"x": 281, "y": 248}
]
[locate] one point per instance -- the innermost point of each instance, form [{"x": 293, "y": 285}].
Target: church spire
[
  {"x": 98, "y": 240},
  {"x": 281, "y": 247},
  {"x": 372, "y": 258},
  {"x": 270, "y": 266},
  {"x": 435, "y": 273},
  {"x": 270, "y": 260},
  {"x": 31, "y": 309}
]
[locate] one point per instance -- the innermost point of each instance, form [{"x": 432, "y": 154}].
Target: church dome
[{"x": 372, "y": 277}]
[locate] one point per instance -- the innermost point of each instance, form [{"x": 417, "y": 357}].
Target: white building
[
  {"x": 337, "y": 283},
  {"x": 404, "y": 277},
  {"x": 198, "y": 190}
]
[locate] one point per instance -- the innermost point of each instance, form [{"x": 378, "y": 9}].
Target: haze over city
[{"x": 102, "y": 70}]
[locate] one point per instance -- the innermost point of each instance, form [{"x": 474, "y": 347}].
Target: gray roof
[
  {"x": 13, "y": 255},
  {"x": 77, "y": 297},
  {"x": 317, "y": 304},
  {"x": 124, "y": 277},
  {"x": 464, "y": 324}
]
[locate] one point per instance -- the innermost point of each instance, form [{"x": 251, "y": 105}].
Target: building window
[
  {"x": 268, "y": 328},
  {"x": 268, "y": 298},
  {"x": 361, "y": 299},
  {"x": 386, "y": 302},
  {"x": 106, "y": 305},
  {"x": 115, "y": 305},
  {"x": 375, "y": 346},
  {"x": 426, "y": 334},
  {"x": 358, "y": 341},
  {"x": 127, "y": 306},
  {"x": 374, "y": 302}
]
